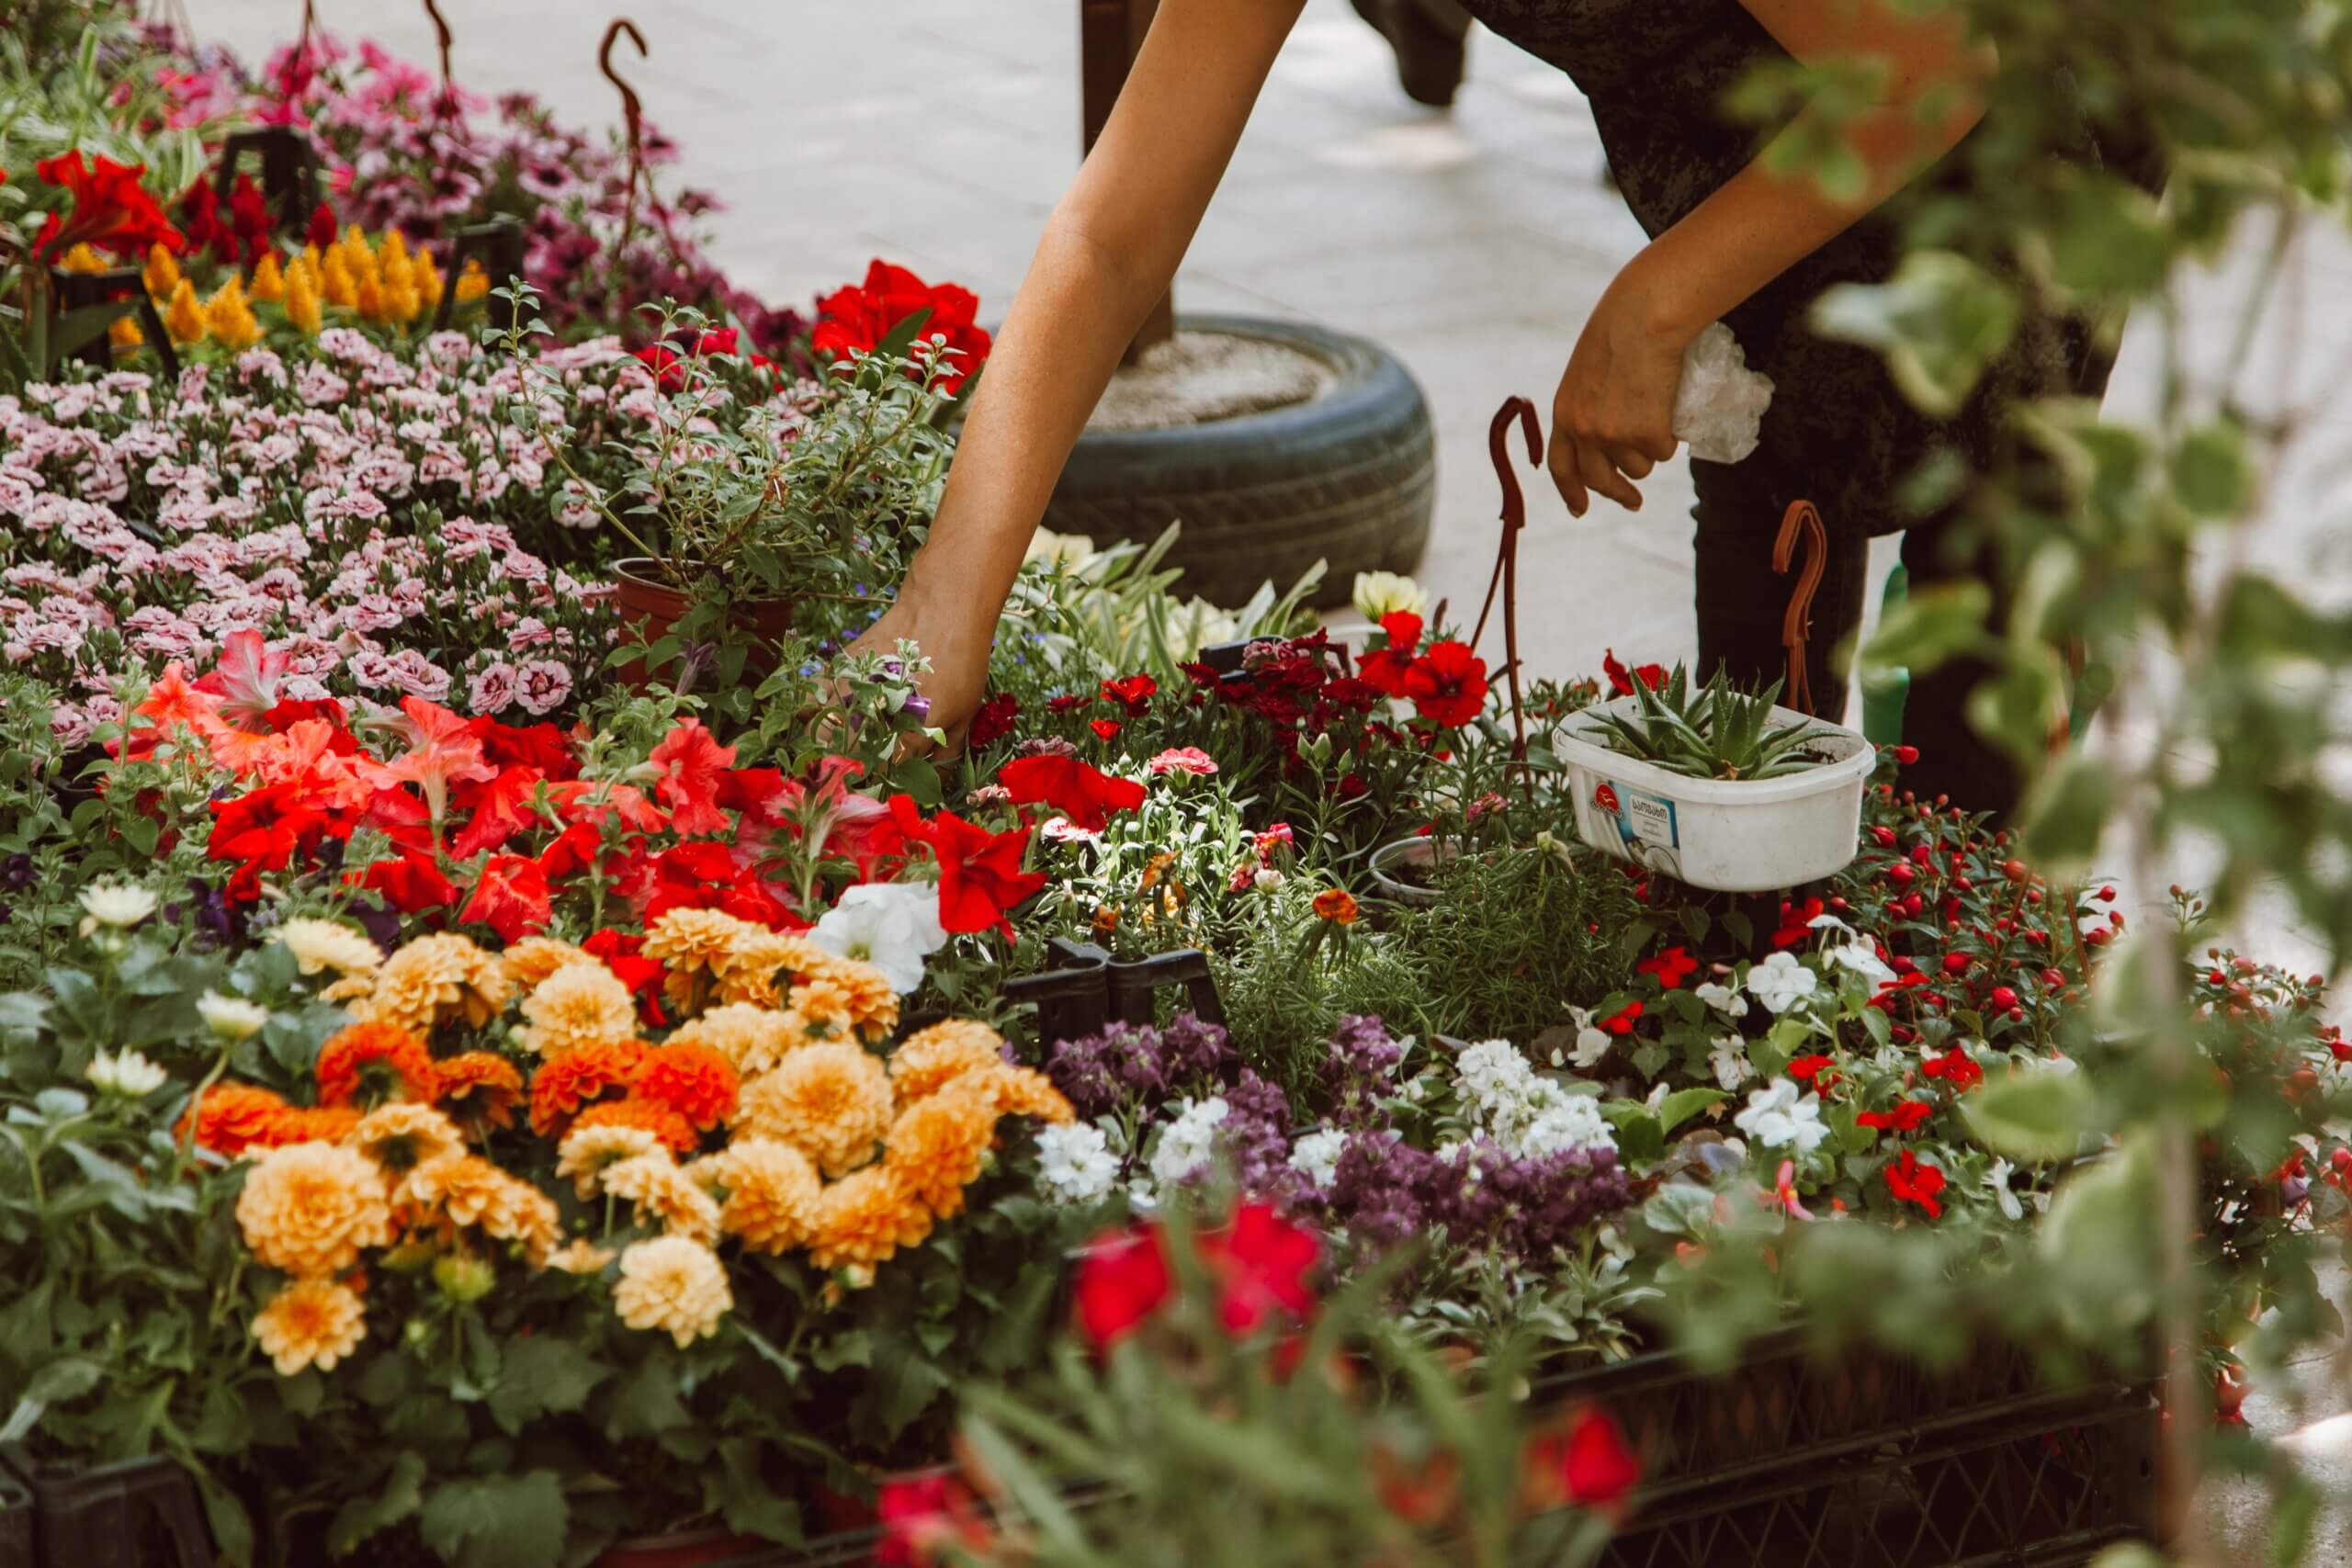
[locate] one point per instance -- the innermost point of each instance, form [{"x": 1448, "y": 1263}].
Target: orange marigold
[
  {"x": 829, "y": 1101},
  {"x": 479, "y": 1087},
  {"x": 312, "y": 1124},
  {"x": 232, "y": 1117},
  {"x": 368, "y": 1064},
  {"x": 747, "y": 972},
  {"x": 864, "y": 1218},
  {"x": 310, "y": 1323},
  {"x": 930, "y": 1059},
  {"x": 1022, "y": 1091},
  {"x": 563, "y": 1084},
  {"x": 772, "y": 1192},
  {"x": 665, "y": 1122},
  {"x": 939, "y": 1146},
  {"x": 696, "y": 1081},
  {"x": 865, "y": 995}
]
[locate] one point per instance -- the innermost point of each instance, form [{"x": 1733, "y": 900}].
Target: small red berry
[
  {"x": 1956, "y": 963},
  {"x": 2002, "y": 999},
  {"x": 1906, "y": 755}
]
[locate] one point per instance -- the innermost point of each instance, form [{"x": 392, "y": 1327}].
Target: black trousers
[{"x": 1741, "y": 604}]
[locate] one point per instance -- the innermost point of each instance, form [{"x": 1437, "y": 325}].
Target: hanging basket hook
[
  {"x": 1506, "y": 574},
  {"x": 448, "y": 85},
  {"x": 1796, "y": 626},
  {"x": 632, "y": 119}
]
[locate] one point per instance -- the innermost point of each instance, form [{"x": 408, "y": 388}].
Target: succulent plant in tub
[{"x": 1714, "y": 732}]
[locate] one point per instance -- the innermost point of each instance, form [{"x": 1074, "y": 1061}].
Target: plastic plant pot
[{"x": 1733, "y": 836}]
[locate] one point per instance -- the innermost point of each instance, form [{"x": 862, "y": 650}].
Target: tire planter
[{"x": 1349, "y": 479}]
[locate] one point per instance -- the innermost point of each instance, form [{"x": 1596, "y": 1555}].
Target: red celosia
[
  {"x": 1447, "y": 684},
  {"x": 1080, "y": 791},
  {"x": 979, "y": 872},
  {"x": 860, "y": 316},
  {"x": 1912, "y": 1182},
  {"x": 112, "y": 210}
]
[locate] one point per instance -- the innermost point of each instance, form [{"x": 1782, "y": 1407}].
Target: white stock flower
[
  {"x": 1780, "y": 982},
  {"x": 894, "y": 926},
  {"x": 1378, "y": 593},
  {"x": 1188, "y": 1140},
  {"x": 1075, "y": 1164},
  {"x": 1776, "y": 1117},
  {"x": 1316, "y": 1155},
  {"x": 125, "y": 1073},
  {"x": 117, "y": 903},
  {"x": 230, "y": 1018},
  {"x": 1565, "y": 1122}
]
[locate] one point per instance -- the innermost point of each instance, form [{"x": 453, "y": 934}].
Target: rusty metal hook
[
  {"x": 632, "y": 117},
  {"x": 1506, "y": 573},
  {"x": 441, "y": 27},
  {"x": 1796, "y": 626},
  {"x": 309, "y": 24}
]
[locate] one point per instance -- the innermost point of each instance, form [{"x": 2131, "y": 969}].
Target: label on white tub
[{"x": 1646, "y": 826}]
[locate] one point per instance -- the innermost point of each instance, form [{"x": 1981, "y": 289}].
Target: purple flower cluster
[
  {"x": 1255, "y": 1136},
  {"x": 1386, "y": 1192},
  {"x": 1360, "y": 1069},
  {"x": 1125, "y": 1064}
]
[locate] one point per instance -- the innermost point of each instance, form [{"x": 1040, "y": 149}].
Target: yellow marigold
[
  {"x": 434, "y": 978},
  {"x": 670, "y": 1129},
  {"x": 481, "y": 1088},
  {"x": 938, "y": 1146},
  {"x": 751, "y": 1037},
  {"x": 691, "y": 942},
  {"x": 579, "y": 1256},
  {"x": 308, "y": 1209},
  {"x": 865, "y": 998},
  {"x": 310, "y": 1323},
  {"x": 930, "y": 1059},
  {"x": 772, "y": 1192},
  {"x": 269, "y": 279},
  {"x": 673, "y": 1285},
  {"x": 831, "y": 1100},
  {"x": 747, "y": 972},
  {"x": 184, "y": 317},
  {"x": 328, "y": 944},
  {"x": 229, "y": 318},
  {"x": 586, "y": 1151},
  {"x": 864, "y": 1219},
  {"x": 535, "y": 958},
  {"x": 1022, "y": 1091},
  {"x": 302, "y": 299},
  {"x": 563, "y": 1084},
  {"x": 659, "y": 1189},
  {"x": 580, "y": 1004},
  {"x": 162, "y": 273},
  {"x": 401, "y": 1136}
]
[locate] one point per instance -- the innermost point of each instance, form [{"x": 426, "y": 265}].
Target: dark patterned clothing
[{"x": 1657, "y": 72}]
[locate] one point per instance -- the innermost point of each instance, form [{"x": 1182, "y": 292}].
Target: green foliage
[{"x": 1714, "y": 732}]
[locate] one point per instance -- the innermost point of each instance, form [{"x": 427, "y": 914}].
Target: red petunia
[
  {"x": 112, "y": 210},
  {"x": 262, "y": 830},
  {"x": 690, "y": 766},
  {"x": 540, "y": 746},
  {"x": 1080, "y": 791},
  {"x": 1447, "y": 684},
  {"x": 623, "y": 953},
  {"x": 862, "y": 315},
  {"x": 1672, "y": 967},
  {"x": 1260, "y": 1263},
  {"x": 979, "y": 872},
  {"x": 410, "y": 883},
  {"x": 1912, "y": 1182},
  {"x": 1133, "y": 692},
  {"x": 994, "y": 720},
  {"x": 1905, "y": 1118},
  {"x": 510, "y": 896},
  {"x": 502, "y": 808},
  {"x": 1121, "y": 1281}
]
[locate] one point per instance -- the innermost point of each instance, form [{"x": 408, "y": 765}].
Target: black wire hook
[{"x": 632, "y": 117}]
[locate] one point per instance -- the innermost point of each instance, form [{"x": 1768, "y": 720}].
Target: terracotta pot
[
  {"x": 650, "y": 608},
  {"x": 681, "y": 1549}
]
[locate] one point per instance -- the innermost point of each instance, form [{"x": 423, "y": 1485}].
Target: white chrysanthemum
[
  {"x": 1776, "y": 1117},
  {"x": 230, "y": 1018},
  {"x": 893, "y": 925},
  {"x": 126, "y": 1073},
  {"x": 1188, "y": 1140},
  {"x": 328, "y": 944},
  {"x": 117, "y": 903},
  {"x": 1316, "y": 1155},
  {"x": 1780, "y": 982},
  {"x": 1075, "y": 1164}
]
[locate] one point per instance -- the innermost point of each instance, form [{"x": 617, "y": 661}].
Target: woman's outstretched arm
[
  {"x": 1613, "y": 417},
  {"x": 1108, "y": 252}
]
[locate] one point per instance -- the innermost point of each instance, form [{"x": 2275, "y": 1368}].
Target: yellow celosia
[
  {"x": 185, "y": 319},
  {"x": 428, "y": 283},
  {"x": 302, "y": 299},
  {"x": 400, "y": 302},
  {"x": 310, "y": 1323},
  {"x": 673, "y": 1285},
  {"x": 162, "y": 273},
  {"x": 308, "y": 1209},
  {"x": 472, "y": 283},
  {"x": 229, "y": 319},
  {"x": 832, "y": 1101},
  {"x": 269, "y": 279},
  {"x": 125, "y": 332},
  {"x": 337, "y": 286},
  {"x": 369, "y": 300},
  {"x": 81, "y": 258}
]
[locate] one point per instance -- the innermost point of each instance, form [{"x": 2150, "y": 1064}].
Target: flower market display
[{"x": 491, "y": 1069}]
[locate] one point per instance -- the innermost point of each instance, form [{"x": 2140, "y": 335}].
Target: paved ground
[{"x": 939, "y": 132}]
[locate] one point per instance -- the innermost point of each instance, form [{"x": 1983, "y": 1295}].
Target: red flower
[
  {"x": 1260, "y": 1263},
  {"x": 1121, "y": 1279},
  {"x": 621, "y": 952},
  {"x": 1592, "y": 1464},
  {"x": 860, "y": 316},
  {"x": 1956, "y": 1067},
  {"x": 510, "y": 897},
  {"x": 111, "y": 210},
  {"x": 502, "y": 808},
  {"x": 979, "y": 872},
  {"x": 1906, "y": 755},
  {"x": 321, "y": 230},
  {"x": 540, "y": 746},
  {"x": 1384, "y": 668},
  {"x": 1105, "y": 730},
  {"x": 1905, "y": 1118},
  {"x": 1084, "y": 794},
  {"x": 412, "y": 883},
  {"x": 1912, "y": 1182},
  {"x": 994, "y": 720},
  {"x": 1796, "y": 923},
  {"x": 1067, "y": 704},
  {"x": 690, "y": 767},
  {"x": 1621, "y": 679},
  {"x": 924, "y": 1518},
  {"x": 1622, "y": 1023},
  {"x": 1448, "y": 684},
  {"x": 262, "y": 830},
  {"x": 1134, "y": 693},
  {"x": 1672, "y": 967},
  {"x": 1804, "y": 1069}
]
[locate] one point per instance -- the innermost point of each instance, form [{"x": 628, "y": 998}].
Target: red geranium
[
  {"x": 1912, "y": 1182},
  {"x": 979, "y": 872},
  {"x": 1084, "y": 794},
  {"x": 1121, "y": 1281},
  {"x": 112, "y": 210},
  {"x": 858, "y": 317},
  {"x": 1448, "y": 684}
]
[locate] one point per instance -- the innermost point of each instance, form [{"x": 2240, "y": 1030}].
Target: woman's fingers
[
  {"x": 1560, "y": 457},
  {"x": 1601, "y": 476}
]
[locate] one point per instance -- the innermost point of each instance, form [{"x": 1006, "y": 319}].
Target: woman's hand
[
  {"x": 945, "y": 627},
  {"x": 1612, "y": 419}
]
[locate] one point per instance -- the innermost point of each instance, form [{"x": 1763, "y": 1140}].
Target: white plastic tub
[{"x": 1730, "y": 836}]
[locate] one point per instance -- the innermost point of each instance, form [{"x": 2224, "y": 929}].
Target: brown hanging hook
[
  {"x": 1506, "y": 573},
  {"x": 1797, "y": 626},
  {"x": 632, "y": 117},
  {"x": 449, "y": 86},
  {"x": 309, "y": 24}
]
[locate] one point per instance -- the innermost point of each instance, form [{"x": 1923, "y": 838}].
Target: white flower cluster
[
  {"x": 1527, "y": 1113},
  {"x": 1316, "y": 1155},
  {"x": 894, "y": 926},
  {"x": 1188, "y": 1140},
  {"x": 1777, "y": 1117},
  {"x": 1075, "y": 1164}
]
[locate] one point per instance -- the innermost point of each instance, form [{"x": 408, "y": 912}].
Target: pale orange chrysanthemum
[
  {"x": 690, "y": 942},
  {"x": 832, "y": 1101},
  {"x": 535, "y": 958},
  {"x": 579, "y": 1256},
  {"x": 826, "y": 1004},
  {"x": 586, "y": 1151},
  {"x": 697, "y": 1081},
  {"x": 310, "y": 1124},
  {"x": 930, "y": 1059},
  {"x": 563, "y": 1084},
  {"x": 669, "y": 1129},
  {"x": 864, "y": 1219},
  {"x": 328, "y": 944},
  {"x": 401, "y": 1136},
  {"x": 747, "y": 972},
  {"x": 369, "y": 1064},
  {"x": 580, "y": 1004},
  {"x": 434, "y": 978},
  {"x": 310, "y": 1323},
  {"x": 752, "y": 1039},
  {"x": 465, "y": 1188},
  {"x": 772, "y": 1193},
  {"x": 308, "y": 1209},
  {"x": 868, "y": 998},
  {"x": 230, "y": 1118},
  {"x": 660, "y": 1190},
  {"x": 1022, "y": 1091},
  {"x": 480, "y": 1089},
  {"x": 673, "y": 1285},
  {"x": 528, "y": 1217},
  {"x": 938, "y": 1146}
]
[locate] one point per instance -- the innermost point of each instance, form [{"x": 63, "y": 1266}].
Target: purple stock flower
[
  {"x": 1123, "y": 1063},
  {"x": 1256, "y": 1136},
  {"x": 1359, "y": 1069}
]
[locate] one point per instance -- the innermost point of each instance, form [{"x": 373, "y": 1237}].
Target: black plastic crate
[{"x": 137, "y": 1514}]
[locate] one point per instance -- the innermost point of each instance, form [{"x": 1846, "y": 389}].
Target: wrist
[{"x": 1663, "y": 303}]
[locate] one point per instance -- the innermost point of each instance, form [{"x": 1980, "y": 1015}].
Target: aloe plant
[{"x": 1715, "y": 732}]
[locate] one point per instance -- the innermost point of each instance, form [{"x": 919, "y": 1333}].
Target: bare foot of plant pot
[{"x": 1341, "y": 468}]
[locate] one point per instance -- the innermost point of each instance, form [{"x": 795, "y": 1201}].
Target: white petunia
[
  {"x": 230, "y": 1018},
  {"x": 1188, "y": 1140},
  {"x": 1075, "y": 1164},
  {"x": 1776, "y": 1117},
  {"x": 125, "y": 1073},
  {"x": 894, "y": 926},
  {"x": 1780, "y": 982},
  {"x": 1863, "y": 959},
  {"x": 1316, "y": 1155},
  {"x": 117, "y": 903}
]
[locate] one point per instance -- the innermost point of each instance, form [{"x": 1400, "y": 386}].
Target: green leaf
[
  {"x": 2066, "y": 814},
  {"x": 1685, "y": 1103},
  {"x": 503, "y": 1522},
  {"x": 749, "y": 1503},
  {"x": 1940, "y": 321},
  {"x": 2034, "y": 1116},
  {"x": 2212, "y": 475},
  {"x": 400, "y": 1495},
  {"x": 1930, "y": 626},
  {"x": 646, "y": 1404},
  {"x": 543, "y": 1375},
  {"x": 76, "y": 330},
  {"x": 1640, "y": 1139},
  {"x": 59, "y": 1382}
]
